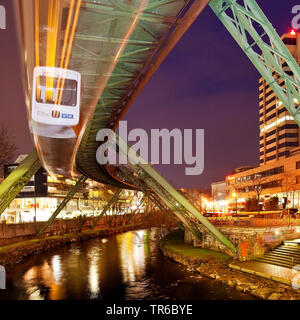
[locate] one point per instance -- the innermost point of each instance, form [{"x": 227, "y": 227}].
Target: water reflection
[
  {"x": 56, "y": 266},
  {"x": 126, "y": 266},
  {"x": 94, "y": 257},
  {"x": 132, "y": 255}
]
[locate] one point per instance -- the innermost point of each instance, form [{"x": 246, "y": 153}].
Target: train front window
[{"x": 58, "y": 91}]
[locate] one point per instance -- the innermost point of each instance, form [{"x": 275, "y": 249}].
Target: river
[{"x": 125, "y": 266}]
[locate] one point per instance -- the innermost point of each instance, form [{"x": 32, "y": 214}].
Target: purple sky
[{"x": 206, "y": 82}]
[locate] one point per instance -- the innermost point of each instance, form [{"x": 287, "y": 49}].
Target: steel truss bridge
[{"x": 117, "y": 45}]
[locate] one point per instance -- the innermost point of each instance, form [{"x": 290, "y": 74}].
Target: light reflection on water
[{"x": 126, "y": 266}]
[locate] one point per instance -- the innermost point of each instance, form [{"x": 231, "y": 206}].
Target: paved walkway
[
  {"x": 268, "y": 270},
  {"x": 265, "y": 270},
  {"x": 296, "y": 241}
]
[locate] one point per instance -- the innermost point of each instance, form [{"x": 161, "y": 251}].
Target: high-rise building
[{"x": 279, "y": 133}]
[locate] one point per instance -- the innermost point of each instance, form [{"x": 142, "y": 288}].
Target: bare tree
[
  {"x": 251, "y": 204},
  {"x": 272, "y": 204},
  {"x": 257, "y": 188},
  {"x": 7, "y": 147},
  {"x": 288, "y": 186},
  {"x": 236, "y": 193}
]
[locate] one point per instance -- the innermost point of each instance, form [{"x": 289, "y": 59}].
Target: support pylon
[
  {"x": 152, "y": 196},
  {"x": 72, "y": 192},
  {"x": 167, "y": 192},
  {"x": 254, "y": 33},
  {"x": 110, "y": 203},
  {"x": 16, "y": 181}
]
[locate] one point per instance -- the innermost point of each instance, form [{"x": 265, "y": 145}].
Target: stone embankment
[
  {"x": 218, "y": 270},
  {"x": 16, "y": 253}
]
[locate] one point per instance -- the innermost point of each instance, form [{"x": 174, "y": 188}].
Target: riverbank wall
[
  {"x": 249, "y": 241},
  {"x": 214, "y": 265},
  {"x": 13, "y": 254},
  {"x": 14, "y": 233}
]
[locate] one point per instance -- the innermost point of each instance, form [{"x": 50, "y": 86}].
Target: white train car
[{"x": 56, "y": 96}]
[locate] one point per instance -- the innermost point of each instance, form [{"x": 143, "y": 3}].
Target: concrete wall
[
  {"x": 12, "y": 233},
  {"x": 250, "y": 242}
]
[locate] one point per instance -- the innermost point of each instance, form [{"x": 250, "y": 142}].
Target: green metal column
[
  {"x": 70, "y": 195},
  {"x": 258, "y": 39},
  {"x": 163, "y": 209},
  {"x": 15, "y": 182},
  {"x": 177, "y": 211},
  {"x": 150, "y": 195},
  {"x": 172, "y": 194},
  {"x": 110, "y": 203},
  {"x": 162, "y": 197}
]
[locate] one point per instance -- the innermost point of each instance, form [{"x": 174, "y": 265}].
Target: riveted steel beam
[
  {"x": 252, "y": 30},
  {"x": 72, "y": 192},
  {"x": 86, "y": 37},
  {"x": 109, "y": 204},
  {"x": 147, "y": 16},
  {"x": 168, "y": 193},
  {"x": 161, "y": 203},
  {"x": 16, "y": 181}
]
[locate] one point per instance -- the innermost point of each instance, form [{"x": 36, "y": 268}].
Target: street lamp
[{"x": 234, "y": 195}]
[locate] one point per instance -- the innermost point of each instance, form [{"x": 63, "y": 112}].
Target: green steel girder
[
  {"x": 70, "y": 195},
  {"x": 135, "y": 52},
  {"x": 92, "y": 57},
  {"x": 251, "y": 29},
  {"x": 188, "y": 223},
  {"x": 117, "y": 83},
  {"x": 86, "y": 37},
  {"x": 165, "y": 197},
  {"x": 16, "y": 181},
  {"x": 146, "y": 16},
  {"x": 160, "y": 206},
  {"x": 157, "y": 4},
  {"x": 146, "y": 29},
  {"x": 157, "y": 201},
  {"x": 109, "y": 204},
  {"x": 157, "y": 30},
  {"x": 114, "y": 75},
  {"x": 168, "y": 193}
]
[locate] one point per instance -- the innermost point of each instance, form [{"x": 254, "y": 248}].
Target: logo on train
[{"x": 67, "y": 116}]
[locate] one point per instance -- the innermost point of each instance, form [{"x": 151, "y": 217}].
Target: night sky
[{"x": 206, "y": 82}]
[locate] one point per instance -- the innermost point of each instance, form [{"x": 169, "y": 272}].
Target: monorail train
[{"x": 56, "y": 96}]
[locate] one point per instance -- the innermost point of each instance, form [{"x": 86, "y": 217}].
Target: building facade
[
  {"x": 279, "y": 179},
  {"x": 43, "y": 194},
  {"x": 279, "y": 133},
  {"x": 278, "y": 174}
]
